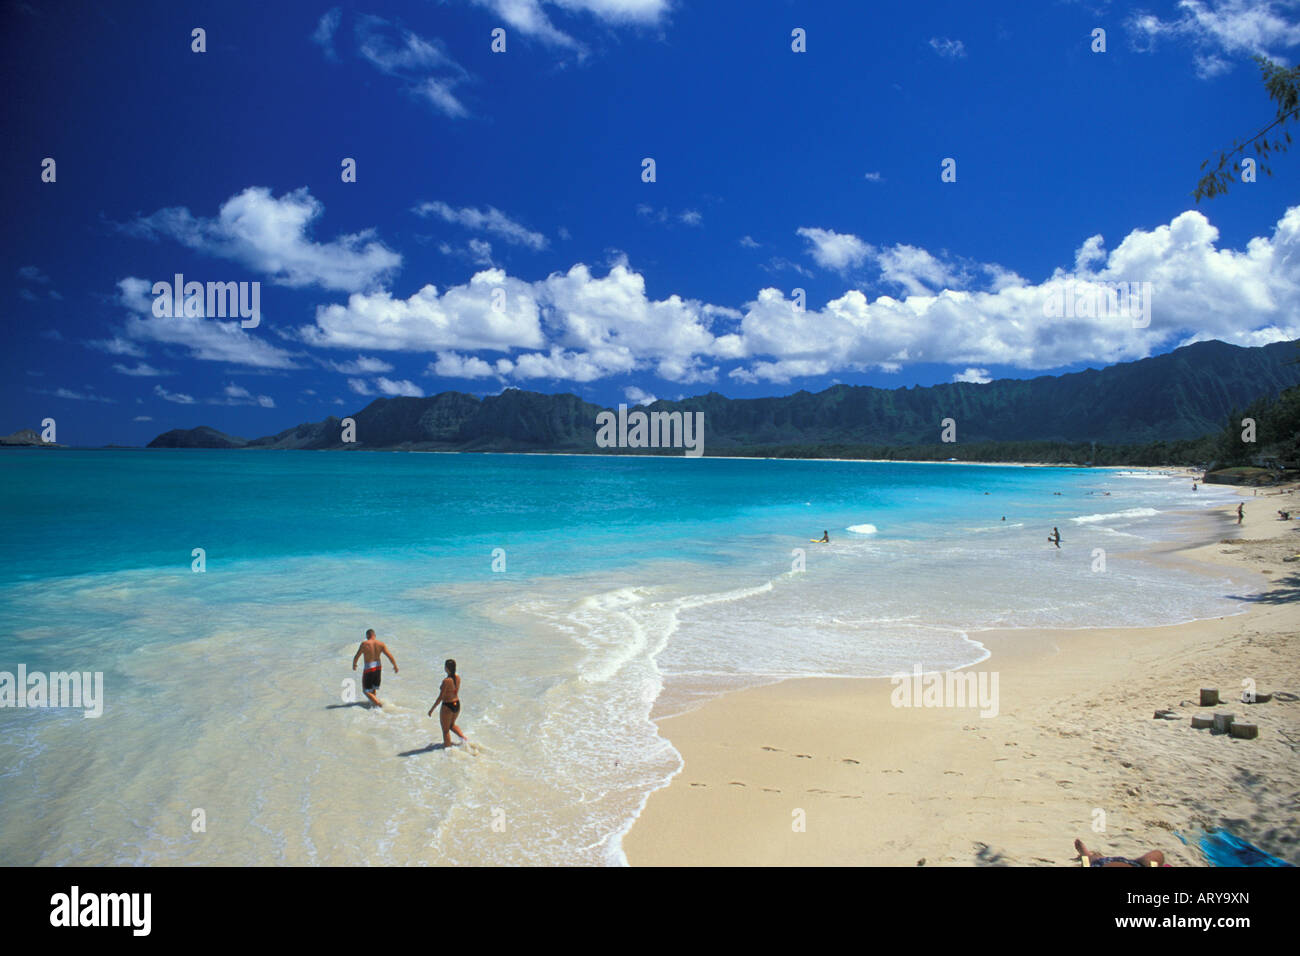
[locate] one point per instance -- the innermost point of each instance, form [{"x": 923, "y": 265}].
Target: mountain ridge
[{"x": 1183, "y": 394}]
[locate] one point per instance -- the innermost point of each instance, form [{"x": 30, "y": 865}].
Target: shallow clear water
[{"x": 628, "y": 583}]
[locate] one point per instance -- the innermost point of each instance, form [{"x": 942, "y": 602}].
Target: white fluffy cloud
[
  {"x": 455, "y": 365},
  {"x": 580, "y": 327},
  {"x": 835, "y": 250},
  {"x": 270, "y": 236},
  {"x": 461, "y": 317},
  {"x": 399, "y": 387},
  {"x": 978, "y": 376}
]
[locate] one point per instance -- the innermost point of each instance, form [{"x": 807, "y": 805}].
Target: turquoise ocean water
[{"x": 630, "y": 585}]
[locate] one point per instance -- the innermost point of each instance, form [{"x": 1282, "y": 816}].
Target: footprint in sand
[
  {"x": 804, "y": 756},
  {"x": 951, "y": 773},
  {"x": 850, "y": 760},
  {"x": 699, "y": 784},
  {"x": 736, "y": 783},
  {"x": 773, "y": 749},
  {"x": 891, "y": 771},
  {"x": 771, "y": 790}
]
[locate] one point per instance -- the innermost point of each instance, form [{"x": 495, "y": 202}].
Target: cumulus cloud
[
  {"x": 834, "y": 250},
  {"x": 579, "y": 326},
  {"x": 455, "y": 365},
  {"x": 462, "y": 317},
  {"x": 399, "y": 387},
  {"x": 270, "y": 236},
  {"x": 978, "y": 376},
  {"x": 638, "y": 397}
]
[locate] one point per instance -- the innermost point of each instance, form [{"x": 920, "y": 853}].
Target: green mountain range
[{"x": 1185, "y": 394}]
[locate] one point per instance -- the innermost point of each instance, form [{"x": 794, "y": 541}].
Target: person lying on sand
[
  {"x": 1152, "y": 858},
  {"x": 373, "y": 674}
]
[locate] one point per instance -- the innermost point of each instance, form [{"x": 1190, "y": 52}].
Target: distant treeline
[
  {"x": 1277, "y": 433},
  {"x": 1190, "y": 452}
]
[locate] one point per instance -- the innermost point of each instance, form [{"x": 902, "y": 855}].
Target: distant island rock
[
  {"x": 201, "y": 437},
  {"x": 27, "y": 437}
]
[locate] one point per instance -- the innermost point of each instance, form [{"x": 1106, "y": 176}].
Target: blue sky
[{"x": 522, "y": 171}]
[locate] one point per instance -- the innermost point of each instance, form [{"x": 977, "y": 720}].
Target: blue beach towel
[{"x": 1221, "y": 848}]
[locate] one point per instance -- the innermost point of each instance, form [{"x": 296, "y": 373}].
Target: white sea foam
[
  {"x": 1116, "y": 515},
  {"x": 862, "y": 528}
]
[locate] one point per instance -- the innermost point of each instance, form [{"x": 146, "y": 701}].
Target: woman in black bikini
[{"x": 449, "y": 697}]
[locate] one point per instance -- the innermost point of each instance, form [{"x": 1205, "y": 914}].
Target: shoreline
[
  {"x": 1169, "y": 469},
  {"x": 1074, "y": 744}
]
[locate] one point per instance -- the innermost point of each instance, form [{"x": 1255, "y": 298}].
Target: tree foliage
[{"x": 1283, "y": 86}]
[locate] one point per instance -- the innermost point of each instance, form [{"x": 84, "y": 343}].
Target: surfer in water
[
  {"x": 449, "y": 697},
  {"x": 373, "y": 673},
  {"x": 1055, "y": 537},
  {"x": 826, "y": 537}
]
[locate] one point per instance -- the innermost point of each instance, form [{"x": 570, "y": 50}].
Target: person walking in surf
[{"x": 449, "y": 697}]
